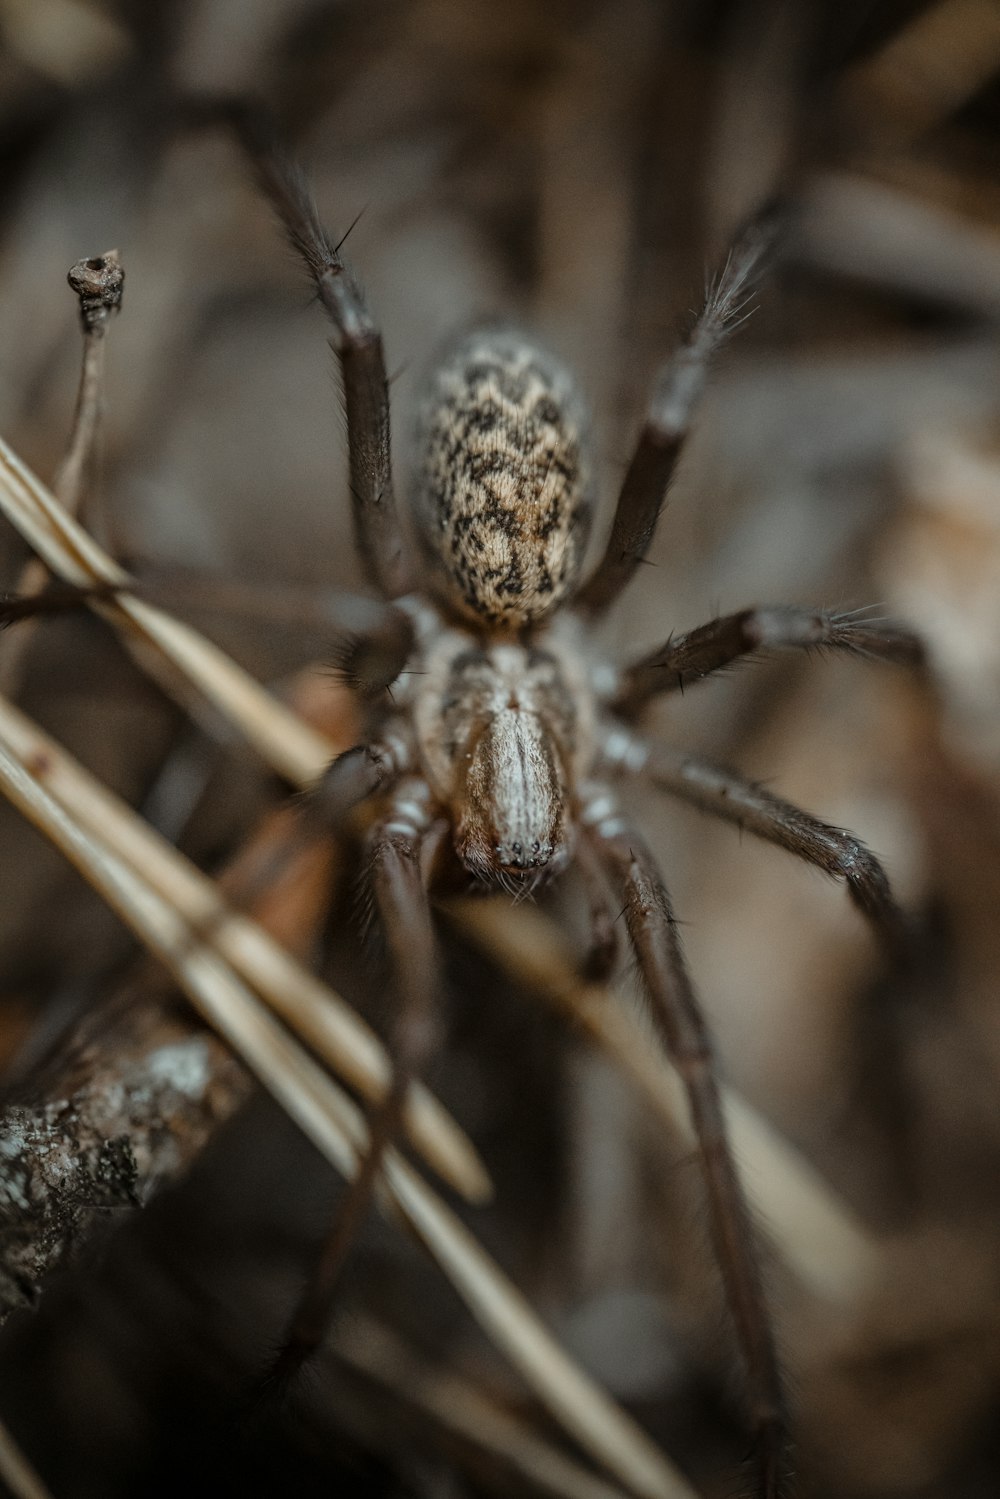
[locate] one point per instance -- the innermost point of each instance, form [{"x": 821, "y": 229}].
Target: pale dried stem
[
  {"x": 70, "y": 482},
  {"x": 457, "y": 1406},
  {"x": 16, "y": 1472}
]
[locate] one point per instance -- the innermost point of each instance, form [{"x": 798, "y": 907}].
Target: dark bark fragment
[{"x": 120, "y": 1113}]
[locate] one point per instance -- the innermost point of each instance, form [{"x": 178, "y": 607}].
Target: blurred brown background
[{"x": 576, "y": 167}]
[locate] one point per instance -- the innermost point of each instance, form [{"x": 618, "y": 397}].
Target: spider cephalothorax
[
  {"x": 503, "y": 730},
  {"x": 492, "y": 725}
]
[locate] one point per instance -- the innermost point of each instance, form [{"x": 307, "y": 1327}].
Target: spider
[{"x": 495, "y": 729}]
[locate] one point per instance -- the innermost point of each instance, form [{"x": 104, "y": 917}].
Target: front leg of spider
[
  {"x": 734, "y": 637},
  {"x": 677, "y": 391},
  {"x": 357, "y": 343},
  {"x": 370, "y": 662},
  {"x": 602, "y": 952}
]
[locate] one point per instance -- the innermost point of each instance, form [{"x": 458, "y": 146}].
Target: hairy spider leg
[
  {"x": 684, "y": 659},
  {"x": 722, "y": 793},
  {"x": 395, "y": 847},
  {"x": 682, "y": 1029},
  {"x": 357, "y": 343},
  {"x": 676, "y": 392},
  {"x": 602, "y": 951}
]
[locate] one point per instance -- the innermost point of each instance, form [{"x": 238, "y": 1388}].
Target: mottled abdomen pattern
[{"x": 503, "y": 478}]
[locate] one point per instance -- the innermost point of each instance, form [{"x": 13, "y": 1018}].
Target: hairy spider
[{"x": 497, "y": 748}]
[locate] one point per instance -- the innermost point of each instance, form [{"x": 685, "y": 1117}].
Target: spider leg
[
  {"x": 676, "y": 393},
  {"x": 353, "y": 777},
  {"x": 368, "y": 656},
  {"x": 687, "y": 658},
  {"x": 724, "y": 794},
  {"x": 395, "y": 845},
  {"x": 356, "y": 341},
  {"x": 602, "y": 952},
  {"x": 370, "y": 660},
  {"x": 315, "y": 612},
  {"x": 682, "y": 1029}
]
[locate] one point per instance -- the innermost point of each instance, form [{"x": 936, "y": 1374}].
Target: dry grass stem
[
  {"x": 16, "y": 1472},
  {"x": 600, "y": 1426},
  {"x": 98, "y": 283},
  {"x": 456, "y": 1405},
  {"x": 296, "y": 751}
]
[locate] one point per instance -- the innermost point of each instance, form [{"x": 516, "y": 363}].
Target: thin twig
[
  {"x": 104, "y": 1127},
  {"x": 98, "y": 283}
]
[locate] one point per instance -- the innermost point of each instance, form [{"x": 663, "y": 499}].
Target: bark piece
[{"x": 123, "y": 1113}]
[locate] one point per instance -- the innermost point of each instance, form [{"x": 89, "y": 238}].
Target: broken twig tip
[{"x": 98, "y": 282}]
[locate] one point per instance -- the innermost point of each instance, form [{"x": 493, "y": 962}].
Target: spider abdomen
[{"x": 502, "y": 477}]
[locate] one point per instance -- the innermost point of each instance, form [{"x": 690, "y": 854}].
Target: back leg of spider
[
  {"x": 680, "y": 1024},
  {"x": 396, "y": 845},
  {"x": 356, "y": 340},
  {"x": 676, "y": 393},
  {"x": 723, "y": 793},
  {"x": 602, "y": 951}
]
